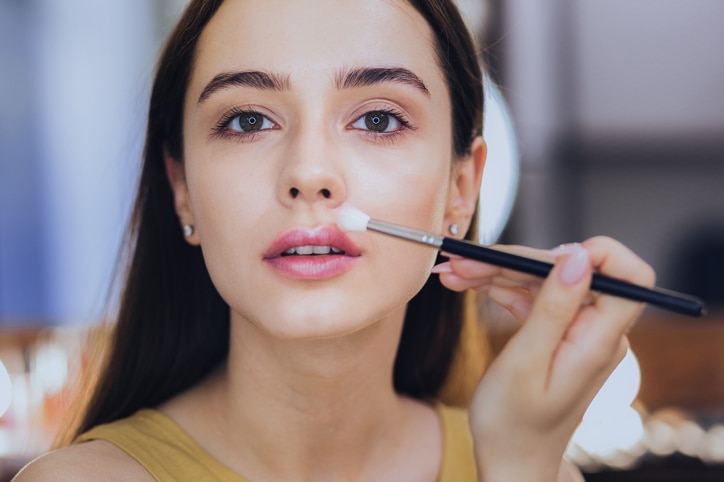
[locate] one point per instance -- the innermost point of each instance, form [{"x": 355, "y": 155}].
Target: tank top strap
[
  {"x": 160, "y": 445},
  {"x": 458, "y": 457}
]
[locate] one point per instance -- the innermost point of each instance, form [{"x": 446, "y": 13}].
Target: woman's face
[{"x": 293, "y": 110}]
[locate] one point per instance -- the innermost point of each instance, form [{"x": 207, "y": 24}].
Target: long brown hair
[{"x": 172, "y": 327}]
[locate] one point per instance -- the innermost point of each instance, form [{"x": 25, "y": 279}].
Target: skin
[
  {"x": 237, "y": 192},
  {"x": 310, "y": 365}
]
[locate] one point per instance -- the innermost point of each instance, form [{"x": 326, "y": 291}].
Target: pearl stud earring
[
  {"x": 454, "y": 229},
  {"x": 188, "y": 230}
]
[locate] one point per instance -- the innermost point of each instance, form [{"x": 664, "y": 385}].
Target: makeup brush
[{"x": 352, "y": 219}]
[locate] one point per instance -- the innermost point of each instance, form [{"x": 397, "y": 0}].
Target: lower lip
[{"x": 318, "y": 267}]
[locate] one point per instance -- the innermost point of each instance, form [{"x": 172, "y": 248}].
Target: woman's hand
[{"x": 536, "y": 391}]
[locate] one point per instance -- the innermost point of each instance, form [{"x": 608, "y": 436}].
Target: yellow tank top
[{"x": 168, "y": 453}]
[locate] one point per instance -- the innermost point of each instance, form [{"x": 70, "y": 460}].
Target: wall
[{"x": 620, "y": 110}]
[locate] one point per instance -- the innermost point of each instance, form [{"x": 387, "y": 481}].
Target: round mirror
[{"x": 502, "y": 168}]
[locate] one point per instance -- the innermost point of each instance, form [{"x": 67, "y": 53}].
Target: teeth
[
  {"x": 309, "y": 250},
  {"x": 321, "y": 249},
  {"x": 304, "y": 250}
]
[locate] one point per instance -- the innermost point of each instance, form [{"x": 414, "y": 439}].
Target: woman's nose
[{"x": 312, "y": 173}]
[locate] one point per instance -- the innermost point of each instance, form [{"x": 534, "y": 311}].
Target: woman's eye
[
  {"x": 378, "y": 121},
  {"x": 249, "y": 122}
]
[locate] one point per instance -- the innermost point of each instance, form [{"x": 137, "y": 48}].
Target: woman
[{"x": 257, "y": 341}]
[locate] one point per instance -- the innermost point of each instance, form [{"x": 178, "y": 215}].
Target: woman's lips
[{"x": 314, "y": 254}]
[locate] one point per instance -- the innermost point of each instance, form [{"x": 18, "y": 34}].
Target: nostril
[
  {"x": 326, "y": 193},
  {"x": 294, "y": 192}
]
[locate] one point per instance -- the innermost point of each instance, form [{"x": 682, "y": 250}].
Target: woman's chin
[{"x": 319, "y": 324}]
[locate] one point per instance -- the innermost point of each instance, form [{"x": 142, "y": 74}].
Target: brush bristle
[{"x": 352, "y": 219}]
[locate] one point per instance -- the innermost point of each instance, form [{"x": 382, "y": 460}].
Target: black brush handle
[{"x": 670, "y": 300}]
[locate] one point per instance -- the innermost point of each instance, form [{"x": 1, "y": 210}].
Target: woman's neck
[{"x": 291, "y": 409}]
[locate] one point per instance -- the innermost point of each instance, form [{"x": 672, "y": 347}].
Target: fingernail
[
  {"x": 450, "y": 255},
  {"x": 569, "y": 248},
  {"x": 442, "y": 268},
  {"x": 575, "y": 266}
]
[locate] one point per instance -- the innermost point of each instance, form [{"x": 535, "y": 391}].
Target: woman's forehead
[{"x": 306, "y": 38}]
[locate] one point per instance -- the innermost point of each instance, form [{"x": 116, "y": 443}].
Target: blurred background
[{"x": 606, "y": 118}]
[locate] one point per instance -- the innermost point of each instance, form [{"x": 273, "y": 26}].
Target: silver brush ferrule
[{"x": 416, "y": 235}]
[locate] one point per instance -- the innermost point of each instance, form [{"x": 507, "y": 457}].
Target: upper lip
[{"x": 321, "y": 236}]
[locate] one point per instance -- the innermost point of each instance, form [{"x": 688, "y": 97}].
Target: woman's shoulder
[{"x": 90, "y": 461}]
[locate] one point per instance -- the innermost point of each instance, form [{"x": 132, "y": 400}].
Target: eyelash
[
  {"x": 221, "y": 127},
  {"x": 386, "y": 136}
]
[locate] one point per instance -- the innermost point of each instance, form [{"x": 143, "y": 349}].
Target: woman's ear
[
  {"x": 464, "y": 191},
  {"x": 176, "y": 175}
]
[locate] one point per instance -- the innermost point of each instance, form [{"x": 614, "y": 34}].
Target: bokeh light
[
  {"x": 612, "y": 431},
  {"x": 6, "y": 389}
]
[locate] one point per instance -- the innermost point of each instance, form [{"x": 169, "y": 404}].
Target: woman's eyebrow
[
  {"x": 358, "y": 77},
  {"x": 365, "y": 76},
  {"x": 253, "y": 78}
]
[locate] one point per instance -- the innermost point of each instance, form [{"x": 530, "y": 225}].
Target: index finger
[{"x": 557, "y": 304}]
